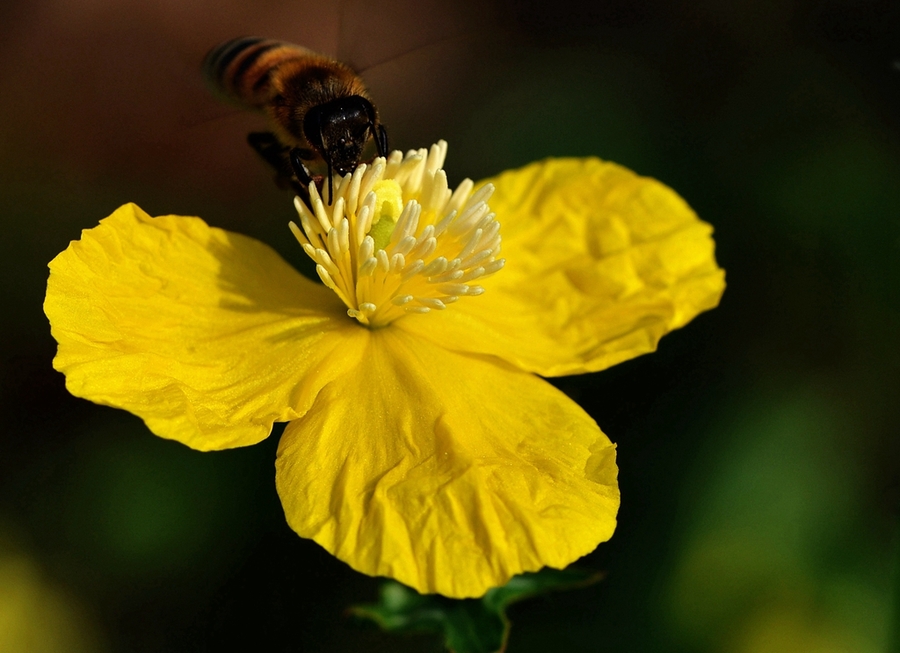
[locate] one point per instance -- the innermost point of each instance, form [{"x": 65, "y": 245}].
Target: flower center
[{"x": 396, "y": 240}]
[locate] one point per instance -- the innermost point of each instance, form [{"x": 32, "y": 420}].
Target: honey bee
[{"x": 318, "y": 109}]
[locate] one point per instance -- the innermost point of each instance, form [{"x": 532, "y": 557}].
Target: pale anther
[{"x": 427, "y": 241}]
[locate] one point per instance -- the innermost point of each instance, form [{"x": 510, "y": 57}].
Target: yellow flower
[{"x": 422, "y": 445}]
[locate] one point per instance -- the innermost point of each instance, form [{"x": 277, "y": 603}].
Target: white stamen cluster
[{"x": 441, "y": 242}]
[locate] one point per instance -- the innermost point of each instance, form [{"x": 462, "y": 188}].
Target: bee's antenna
[{"x": 300, "y": 170}]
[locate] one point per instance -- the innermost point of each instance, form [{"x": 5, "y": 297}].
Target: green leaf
[{"x": 467, "y": 625}]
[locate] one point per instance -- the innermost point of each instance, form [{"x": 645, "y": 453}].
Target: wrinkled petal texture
[
  {"x": 600, "y": 264},
  {"x": 208, "y": 336},
  {"x": 448, "y": 472}
]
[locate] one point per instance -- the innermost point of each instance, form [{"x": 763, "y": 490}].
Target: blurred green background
[{"x": 758, "y": 447}]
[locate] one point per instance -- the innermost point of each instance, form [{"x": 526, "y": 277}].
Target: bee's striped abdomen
[{"x": 241, "y": 69}]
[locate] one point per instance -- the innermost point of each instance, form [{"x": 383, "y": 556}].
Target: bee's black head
[{"x": 339, "y": 131}]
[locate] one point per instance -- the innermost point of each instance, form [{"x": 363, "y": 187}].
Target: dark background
[{"x": 758, "y": 447}]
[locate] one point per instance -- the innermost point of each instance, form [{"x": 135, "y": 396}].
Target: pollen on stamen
[{"x": 397, "y": 241}]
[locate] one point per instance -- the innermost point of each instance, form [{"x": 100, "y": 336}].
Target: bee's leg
[
  {"x": 299, "y": 168},
  {"x": 381, "y": 139},
  {"x": 301, "y": 180},
  {"x": 274, "y": 153}
]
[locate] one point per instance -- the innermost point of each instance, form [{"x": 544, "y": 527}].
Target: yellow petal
[
  {"x": 206, "y": 335},
  {"x": 600, "y": 264},
  {"x": 449, "y": 473}
]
